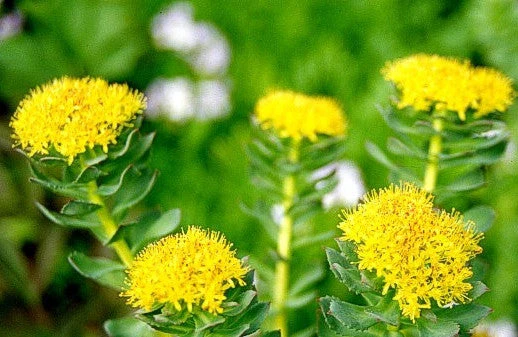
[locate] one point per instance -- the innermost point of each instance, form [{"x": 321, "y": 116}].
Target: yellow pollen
[
  {"x": 71, "y": 115},
  {"x": 186, "y": 269},
  {"x": 297, "y": 116},
  {"x": 420, "y": 252},
  {"x": 428, "y": 82}
]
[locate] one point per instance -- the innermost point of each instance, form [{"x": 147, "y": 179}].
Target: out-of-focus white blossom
[
  {"x": 501, "y": 328},
  {"x": 200, "y": 44},
  {"x": 174, "y": 98},
  {"x": 349, "y": 188},
  {"x": 181, "y": 99},
  {"x": 10, "y": 24},
  {"x": 213, "y": 99}
]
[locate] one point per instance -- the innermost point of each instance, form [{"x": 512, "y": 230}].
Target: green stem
[
  {"x": 282, "y": 267},
  {"x": 434, "y": 151},
  {"x": 110, "y": 227}
]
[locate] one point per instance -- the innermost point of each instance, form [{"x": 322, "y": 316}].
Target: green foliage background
[{"x": 333, "y": 48}]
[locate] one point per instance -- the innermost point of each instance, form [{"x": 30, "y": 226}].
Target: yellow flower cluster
[
  {"x": 192, "y": 268},
  {"x": 297, "y": 116},
  {"x": 72, "y": 115},
  {"x": 429, "y": 82},
  {"x": 420, "y": 252}
]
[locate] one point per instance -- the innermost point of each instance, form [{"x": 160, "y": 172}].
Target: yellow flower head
[
  {"x": 297, "y": 116},
  {"x": 193, "y": 268},
  {"x": 429, "y": 82},
  {"x": 420, "y": 252},
  {"x": 72, "y": 115}
]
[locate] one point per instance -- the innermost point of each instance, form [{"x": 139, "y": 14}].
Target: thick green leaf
[
  {"x": 468, "y": 181},
  {"x": 476, "y": 158},
  {"x": 336, "y": 325},
  {"x": 398, "y": 147},
  {"x": 88, "y": 174},
  {"x": 135, "y": 148},
  {"x": 72, "y": 190},
  {"x": 352, "y": 316},
  {"x": 478, "y": 290},
  {"x": 467, "y": 316},
  {"x": 428, "y": 328},
  {"x": 105, "y": 271},
  {"x": 204, "y": 320},
  {"x": 111, "y": 184},
  {"x": 143, "y": 232},
  {"x": 386, "y": 310},
  {"x": 347, "y": 273},
  {"x": 483, "y": 216},
  {"x": 475, "y": 141},
  {"x": 128, "y": 327},
  {"x": 79, "y": 208},
  {"x": 136, "y": 186},
  {"x": 79, "y": 221},
  {"x": 239, "y": 303},
  {"x": 420, "y": 128}
]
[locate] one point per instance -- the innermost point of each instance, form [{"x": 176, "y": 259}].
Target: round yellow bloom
[
  {"x": 71, "y": 115},
  {"x": 297, "y": 116},
  {"x": 420, "y": 252},
  {"x": 429, "y": 82},
  {"x": 193, "y": 268}
]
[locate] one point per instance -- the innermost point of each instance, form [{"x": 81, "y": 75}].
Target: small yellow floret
[
  {"x": 192, "y": 268},
  {"x": 297, "y": 116},
  {"x": 420, "y": 252},
  {"x": 72, "y": 115},
  {"x": 429, "y": 82}
]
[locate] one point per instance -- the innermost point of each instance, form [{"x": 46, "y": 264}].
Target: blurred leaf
[
  {"x": 378, "y": 154},
  {"x": 105, "y": 271},
  {"x": 300, "y": 300},
  {"x": 312, "y": 240},
  {"x": 398, "y": 147},
  {"x": 128, "y": 327},
  {"x": 474, "y": 157},
  {"x": 478, "y": 290},
  {"x": 471, "y": 180},
  {"x": 14, "y": 271},
  {"x": 483, "y": 216}
]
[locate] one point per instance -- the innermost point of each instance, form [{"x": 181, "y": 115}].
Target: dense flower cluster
[
  {"x": 72, "y": 115},
  {"x": 429, "y": 82},
  {"x": 420, "y": 252},
  {"x": 185, "y": 269},
  {"x": 297, "y": 116}
]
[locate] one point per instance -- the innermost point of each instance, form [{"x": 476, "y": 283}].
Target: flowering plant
[{"x": 82, "y": 140}]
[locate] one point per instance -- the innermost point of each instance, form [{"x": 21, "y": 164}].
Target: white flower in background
[
  {"x": 10, "y": 24},
  {"x": 502, "y": 328},
  {"x": 174, "y": 98},
  {"x": 213, "y": 99},
  {"x": 181, "y": 99},
  {"x": 200, "y": 44},
  {"x": 175, "y": 29},
  {"x": 349, "y": 188}
]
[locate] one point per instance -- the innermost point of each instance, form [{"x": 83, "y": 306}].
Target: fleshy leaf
[
  {"x": 336, "y": 325},
  {"x": 483, "y": 216},
  {"x": 428, "y": 328},
  {"x": 128, "y": 327},
  {"x": 105, "y": 271},
  {"x": 136, "y": 186},
  {"x": 83, "y": 221}
]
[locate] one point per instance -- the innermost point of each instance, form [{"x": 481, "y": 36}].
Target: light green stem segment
[
  {"x": 434, "y": 151},
  {"x": 282, "y": 267},
  {"x": 110, "y": 227}
]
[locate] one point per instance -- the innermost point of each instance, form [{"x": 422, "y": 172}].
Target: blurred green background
[{"x": 333, "y": 48}]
